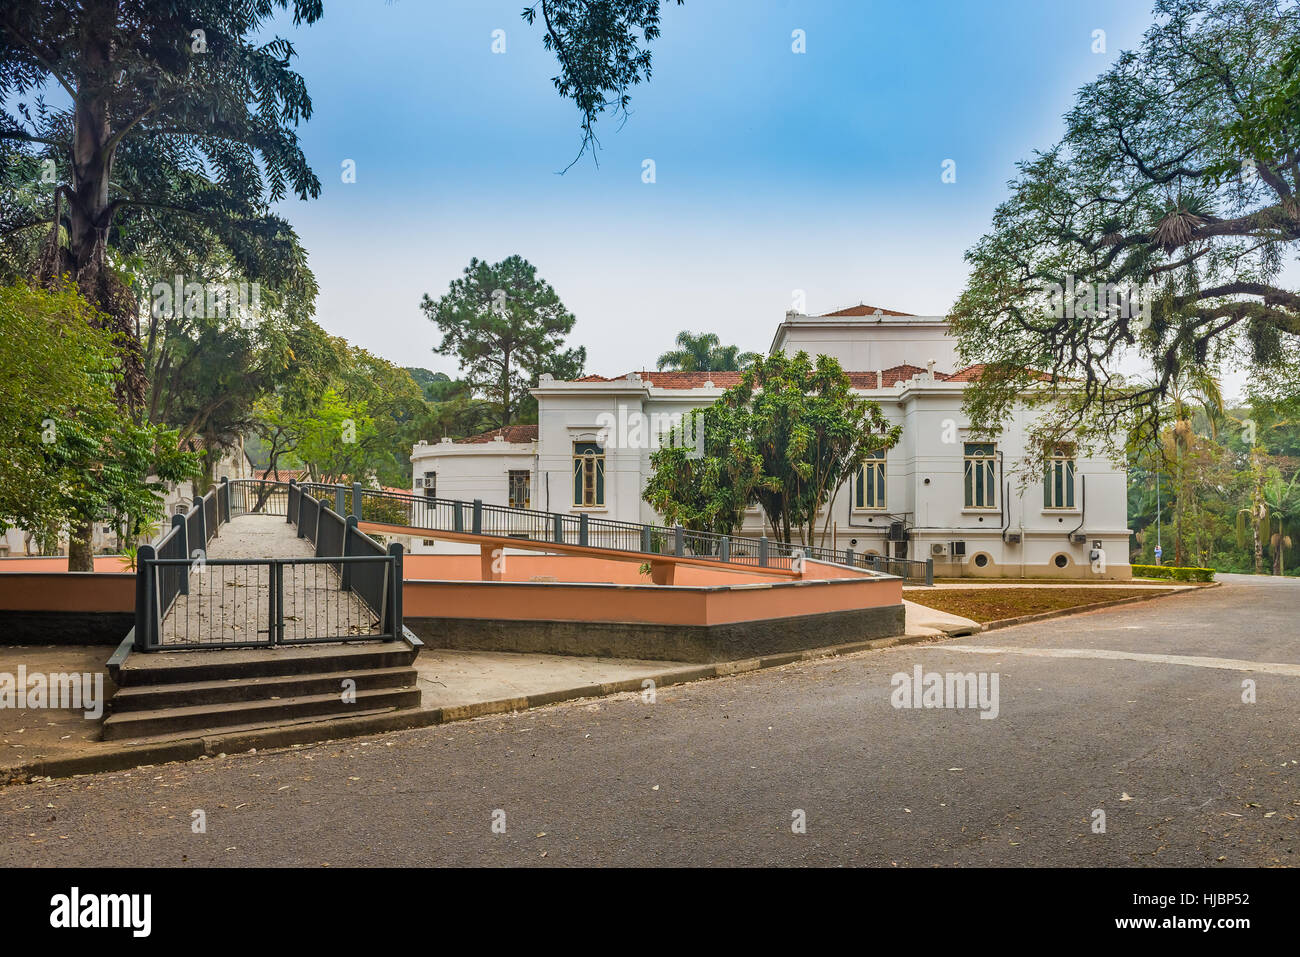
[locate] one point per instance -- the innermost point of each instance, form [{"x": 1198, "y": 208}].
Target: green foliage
[
  {"x": 1173, "y": 572},
  {"x": 1134, "y": 198},
  {"x": 601, "y": 49},
  {"x": 506, "y": 327},
  {"x": 170, "y": 140},
  {"x": 69, "y": 455},
  {"x": 704, "y": 353},
  {"x": 787, "y": 438}
]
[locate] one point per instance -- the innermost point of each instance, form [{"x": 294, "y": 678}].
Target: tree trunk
[
  {"x": 81, "y": 548},
  {"x": 1257, "y": 509}
]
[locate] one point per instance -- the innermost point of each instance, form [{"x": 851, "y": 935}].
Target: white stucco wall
[{"x": 924, "y": 472}]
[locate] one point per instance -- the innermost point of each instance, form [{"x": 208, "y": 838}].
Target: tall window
[
  {"x": 430, "y": 484},
  {"x": 869, "y": 487},
  {"x": 1058, "y": 484},
  {"x": 519, "y": 488},
  {"x": 588, "y": 474},
  {"x": 981, "y": 475}
]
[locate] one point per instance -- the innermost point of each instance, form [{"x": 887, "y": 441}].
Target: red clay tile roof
[
  {"x": 280, "y": 475},
  {"x": 971, "y": 373},
  {"x": 690, "y": 380},
  {"x": 510, "y": 433},
  {"x": 863, "y": 310},
  {"x": 725, "y": 380}
]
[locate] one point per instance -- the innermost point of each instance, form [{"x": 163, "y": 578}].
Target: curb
[
  {"x": 1094, "y": 606},
  {"x": 124, "y": 757}
]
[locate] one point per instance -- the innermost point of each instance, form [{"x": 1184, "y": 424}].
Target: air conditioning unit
[
  {"x": 957, "y": 548},
  {"x": 897, "y": 532},
  {"x": 1013, "y": 538},
  {"x": 938, "y": 548},
  {"x": 1078, "y": 538}
]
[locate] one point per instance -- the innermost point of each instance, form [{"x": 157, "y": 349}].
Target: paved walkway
[
  {"x": 231, "y": 602},
  {"x": 1187, "y": 772}
]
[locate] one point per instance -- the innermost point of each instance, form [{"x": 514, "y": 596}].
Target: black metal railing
[
  {"x": 503, "y": 521},
  {"x": 349, "y": 589}
]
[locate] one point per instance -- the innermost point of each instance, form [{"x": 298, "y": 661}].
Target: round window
[
  {"x": 981, "y": 560},
  {"x": 1061, "y": 561}
]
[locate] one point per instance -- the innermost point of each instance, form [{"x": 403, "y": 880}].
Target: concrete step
[
  {"x": 176, "y": 667},
  {"x": 190, "y": 693},
  {"x": 260, "y": 713},
  {"x": 256, "y": 726}
]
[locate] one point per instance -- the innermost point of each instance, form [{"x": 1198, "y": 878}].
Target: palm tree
[
  {"x": 1282, "y": 499},
  {"x": 704, "y": 352},
  {"x": 1190, "y": 389}
]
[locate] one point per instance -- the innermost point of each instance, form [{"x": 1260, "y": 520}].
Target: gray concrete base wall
[
  {"x": 694, "y": 643},
  {"x": 64, "y": 627}
]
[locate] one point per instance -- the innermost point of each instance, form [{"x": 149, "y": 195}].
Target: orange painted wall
[
  {"x": 642, "y": 603},
  {"x": 67, "y": 591},
  {"x": 568, "y": 568},
  {"x": 103, "y": 563}
]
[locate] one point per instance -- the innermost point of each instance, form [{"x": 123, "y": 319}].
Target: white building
[{"x": 941, "y": 493}]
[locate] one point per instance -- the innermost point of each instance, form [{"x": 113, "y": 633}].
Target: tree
[
  {"x": 178, "y": 124},
  {"x": 601, "y": 46},
  {"x": 1147, "y": 194},
  {"x": 704, "y": 353},
  {"x": 1282, "y": 503},
  {"x": 507, "y": 327},
  {"x": 1190, "y": 389},
  {"x": 787, "y": 438},
  {"x": 68, "y": 451}
]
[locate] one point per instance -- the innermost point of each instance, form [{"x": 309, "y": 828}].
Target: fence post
[
  {"x": 185, "y": 550},
  {"x": 395, "y": 596},
  {"x": 203, "y": 526},
  {"x": 356, "y": 500},
  {"x": 457, "y": 516},
  {"x": 144, "y": 597},
  {"x": 848, "y": 556},
  {"x": 559, "y": 529},
  {"x": 724, "y": 549},
  {"x": 929, "y": 571},
  {"x": 275, "y": 627},
  {"x": 340, "y": 501},
  {"x": 225, "y": 487},
  {"x": 582, "y": 529},
  {"x": 764, "y": 551},
  {"x": 295, "y": 499},
  {"x": 477, "y": 522},
  {"x": 679, "y": 540},
  {"x": 645, "y": 538},
  {"x": 345, "y": 568},
  {"x": 302, "y": 532}
]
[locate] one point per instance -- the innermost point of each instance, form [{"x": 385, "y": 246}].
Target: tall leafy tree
[
  {"x": 704, "y": 352},
  {"x": 171, "y": 121},
  {"x": 602, "y": 47},
  {"x": 67, "y": 449},
  {"x": 507, "y": 327},
  {"x": 1176, "y": 180},
  {"x": 787, "y": 439}
]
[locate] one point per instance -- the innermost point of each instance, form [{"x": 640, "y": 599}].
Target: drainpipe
[{"x": 1083, "y": 506}]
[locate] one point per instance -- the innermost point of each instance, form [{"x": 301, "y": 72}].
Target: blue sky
[{"x": 775, "y": 171}]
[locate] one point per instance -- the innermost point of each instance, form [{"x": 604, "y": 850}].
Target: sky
[{"x": 776, "y": 174}]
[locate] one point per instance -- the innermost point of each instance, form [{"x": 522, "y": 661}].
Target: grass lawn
[{"x": 993, "y": 604}]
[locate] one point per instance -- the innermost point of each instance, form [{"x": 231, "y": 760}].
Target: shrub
[{"x": 1177, "y": 574}]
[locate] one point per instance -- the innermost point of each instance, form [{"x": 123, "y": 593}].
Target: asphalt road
[{"x": 713, "y": 772}]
